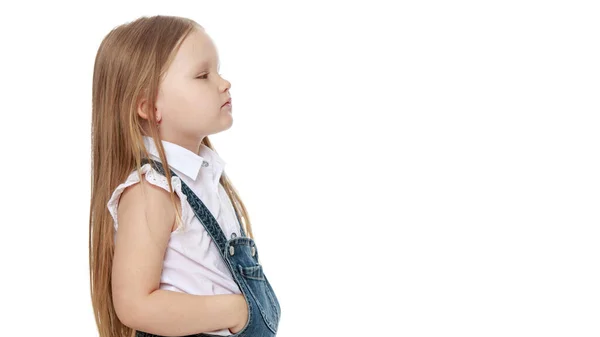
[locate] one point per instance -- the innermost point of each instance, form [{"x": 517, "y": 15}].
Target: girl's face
[{"x": 192, "y": 93}]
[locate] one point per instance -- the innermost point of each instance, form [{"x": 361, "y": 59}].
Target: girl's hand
[{"x": 242, "y": 316}]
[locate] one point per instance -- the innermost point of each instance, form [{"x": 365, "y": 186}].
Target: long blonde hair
[{"x": 129, "y": 65}]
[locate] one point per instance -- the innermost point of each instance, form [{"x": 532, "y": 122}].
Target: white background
[{"x": 417, "y": 168}]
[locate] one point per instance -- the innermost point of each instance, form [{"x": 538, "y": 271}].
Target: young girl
[{"x": 169, "y": 253}]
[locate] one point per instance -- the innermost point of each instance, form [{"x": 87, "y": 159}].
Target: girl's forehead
[{"x": 198, "y": 49}]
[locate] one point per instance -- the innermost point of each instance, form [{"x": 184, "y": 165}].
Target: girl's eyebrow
[{"x": 204, "y": 64}]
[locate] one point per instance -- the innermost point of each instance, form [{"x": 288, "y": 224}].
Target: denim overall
[{"x": 241, "y": 256}]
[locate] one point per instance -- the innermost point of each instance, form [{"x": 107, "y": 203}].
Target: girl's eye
[{"x": 203, "y": 76}]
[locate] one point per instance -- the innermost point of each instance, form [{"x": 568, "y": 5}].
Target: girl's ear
[{"x": 142, "y": 110}]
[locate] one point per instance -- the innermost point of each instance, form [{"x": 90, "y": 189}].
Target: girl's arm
[{"x": 146, "y": 217}]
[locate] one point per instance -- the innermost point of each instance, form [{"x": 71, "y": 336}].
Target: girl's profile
[{"x": 172, "y": 251}]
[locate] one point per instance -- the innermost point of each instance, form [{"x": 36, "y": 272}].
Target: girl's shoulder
[{"x": 153, "y": 177}]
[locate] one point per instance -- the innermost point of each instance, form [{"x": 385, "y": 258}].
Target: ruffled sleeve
[{"x": 155, "y": 178}]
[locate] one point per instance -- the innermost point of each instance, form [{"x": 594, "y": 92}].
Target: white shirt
[{"x": 192, "y": 262}]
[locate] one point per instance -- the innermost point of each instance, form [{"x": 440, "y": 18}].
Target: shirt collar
[{"x": 186, "y": 161}]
